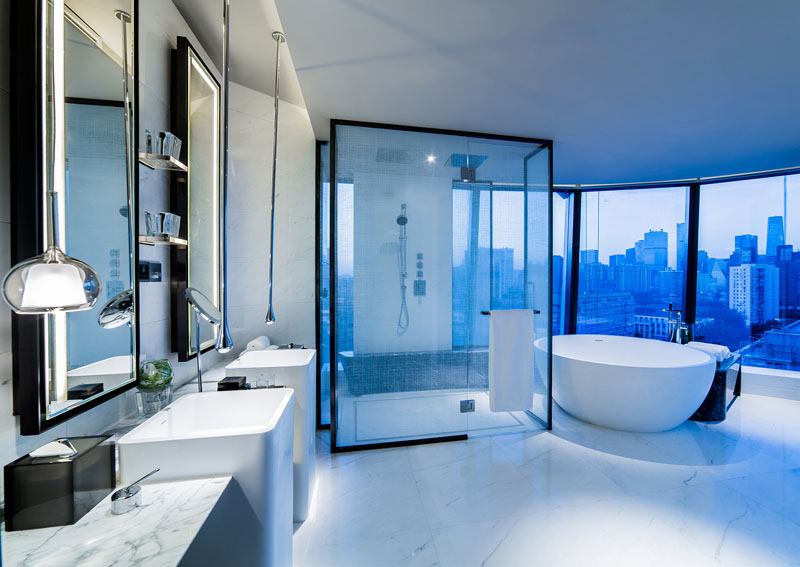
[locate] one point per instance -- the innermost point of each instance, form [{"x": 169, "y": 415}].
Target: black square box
[{"x": 41, "y": 492}]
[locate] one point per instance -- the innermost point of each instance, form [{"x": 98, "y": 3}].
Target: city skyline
[{"x": 639, "y": 210}]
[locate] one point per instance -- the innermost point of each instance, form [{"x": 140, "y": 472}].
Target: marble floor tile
[
  {"x": 411, "y": 549},
  {"x": 709, "y": 524},
  {"x": 777, "y": 491},
  {"x": 363, "y": 496},
  {"x": 538, "y": 539},
  {"x": 701, "y": 494},
  {"x": 485, "y": 486}
]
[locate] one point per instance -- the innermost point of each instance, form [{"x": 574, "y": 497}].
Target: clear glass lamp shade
[{"x": 49, "y": 283}]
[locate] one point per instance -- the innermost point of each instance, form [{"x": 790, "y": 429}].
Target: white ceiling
[
  {"x": 252, "y": 55},
  {"x": 629, "y": 90}
]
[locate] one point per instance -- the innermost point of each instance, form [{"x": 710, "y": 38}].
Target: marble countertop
[{"x": 157, "y": 534}]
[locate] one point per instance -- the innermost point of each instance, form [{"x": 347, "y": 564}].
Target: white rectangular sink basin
[
  {"x": 296, "y": 369},
  {"x": 247, "y": 434}
]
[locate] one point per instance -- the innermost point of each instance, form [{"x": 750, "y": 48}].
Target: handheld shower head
[{"x": 402, "y": 219}]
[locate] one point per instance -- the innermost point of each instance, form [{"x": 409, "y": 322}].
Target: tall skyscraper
[
  {"x": 681, "y": 247},
  {"x": 746, "y": 251},
  {"x": 774, "y": 235},
  {"x": 703, "y": 264},
  {"x": 754, "y": 292},
  {"x": 638, "y": 248},
  {"x": 655, "y": 248}
]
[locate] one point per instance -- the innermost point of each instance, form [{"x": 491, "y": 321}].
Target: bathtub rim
[{"x": 537, "y": 346}]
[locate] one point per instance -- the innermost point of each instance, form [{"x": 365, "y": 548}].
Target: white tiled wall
[
  {"x": 251, "y": 153},
  {"x": 248, "y": 221}
]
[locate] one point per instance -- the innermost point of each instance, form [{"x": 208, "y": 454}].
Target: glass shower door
[
  {"x": 538, "y": 273},
  {"x": 428, "y": 230}
]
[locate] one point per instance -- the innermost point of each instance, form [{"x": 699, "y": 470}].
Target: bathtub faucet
[{"x": 673, "y": 325}]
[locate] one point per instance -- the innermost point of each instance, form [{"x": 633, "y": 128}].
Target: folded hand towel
[{"x": 719, "y": 352}]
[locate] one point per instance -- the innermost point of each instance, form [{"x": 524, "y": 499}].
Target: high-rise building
[
  {"x": 669, "y": 283},
  {"x": 630, "y": 255},
  {"x": 616, "y": 260},
  {"x": 703, "y": 265},
  {"x": 774, "y": 235},
  {"x": 754, "y": 292},
  {"x": 655, "y": 248},
  {"x": 789, "y": 269},
  {"x": 746, "y": 249},
  {"x": 606, "y": 314},
  {"x": 631, "y": 277},
  {"x": 590, "y": 256},
  {"x": 639, "y": 251},
  {"x": 681, "y": 247}
]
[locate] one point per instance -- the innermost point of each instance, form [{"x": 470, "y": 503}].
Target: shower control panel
[{"x": 419, "y": 283}]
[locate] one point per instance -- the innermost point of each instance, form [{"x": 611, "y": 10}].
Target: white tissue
[
  {"x": 52, "y": 449},
  {"x": 258, "y": 343}
]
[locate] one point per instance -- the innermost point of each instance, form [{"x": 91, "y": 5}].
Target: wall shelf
[
  {"x": 158, "y": 240},
  {"x": 160, "y": 161}
]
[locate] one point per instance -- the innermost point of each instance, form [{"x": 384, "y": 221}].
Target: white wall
[
  {"x": 376, "y": 279},
  {"x": 250, "y": 130},
  {"x": 251, "y": 152}
]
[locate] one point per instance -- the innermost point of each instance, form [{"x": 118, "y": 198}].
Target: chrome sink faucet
[{"x": 673, "y": 325}]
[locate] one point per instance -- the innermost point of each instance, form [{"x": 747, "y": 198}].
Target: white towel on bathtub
[
  {"x": 719, "y": 352},
  {"x": 511, "y": 360}
]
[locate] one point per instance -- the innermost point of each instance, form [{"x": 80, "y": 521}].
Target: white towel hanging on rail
[{"x": 511, "y": 360}]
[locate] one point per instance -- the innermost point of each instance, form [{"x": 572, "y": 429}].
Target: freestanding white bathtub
[{"x": 628, "y": 383}]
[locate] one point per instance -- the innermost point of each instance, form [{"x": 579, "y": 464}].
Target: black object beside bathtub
[{"x": 723, "y": 392}]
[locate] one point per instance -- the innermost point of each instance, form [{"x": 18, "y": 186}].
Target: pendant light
[
  {"x": 52, "y": 282},
  {"x": 279, "y": 39}
]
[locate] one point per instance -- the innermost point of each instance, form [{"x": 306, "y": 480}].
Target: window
[
  {"x": 632, "y": 260},
  {"x": 748, "y": 269},
  {"x": 560, "y": 241}
]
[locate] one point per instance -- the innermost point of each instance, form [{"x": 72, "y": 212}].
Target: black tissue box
[
  {"x": 232, "y": 383},
  {"x": 41, "y": 492},
  {"x": 84, "y": 391}
]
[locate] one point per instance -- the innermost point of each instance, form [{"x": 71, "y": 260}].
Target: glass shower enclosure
[{"x": 430, "y": 229}]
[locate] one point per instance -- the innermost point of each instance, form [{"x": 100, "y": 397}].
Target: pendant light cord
[{"x": 279, "y": 38}]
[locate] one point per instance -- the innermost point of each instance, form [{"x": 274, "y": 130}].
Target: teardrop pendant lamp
[{"x": 52, "y": 281}]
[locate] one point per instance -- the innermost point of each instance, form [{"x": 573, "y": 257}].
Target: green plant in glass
[{"x": 155, "y": 374}]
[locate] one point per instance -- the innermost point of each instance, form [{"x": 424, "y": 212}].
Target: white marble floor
[{"x": 724, "y": 494}]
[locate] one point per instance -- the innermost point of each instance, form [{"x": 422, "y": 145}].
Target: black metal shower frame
[{"x": 543, "y": 143}]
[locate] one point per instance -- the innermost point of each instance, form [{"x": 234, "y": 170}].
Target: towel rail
[{"x": 535, "y": 312}]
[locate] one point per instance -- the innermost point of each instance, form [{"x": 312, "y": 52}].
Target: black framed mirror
[
  {"x": 194, "y": 195},
  {"x": 71, "y": 128}
]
